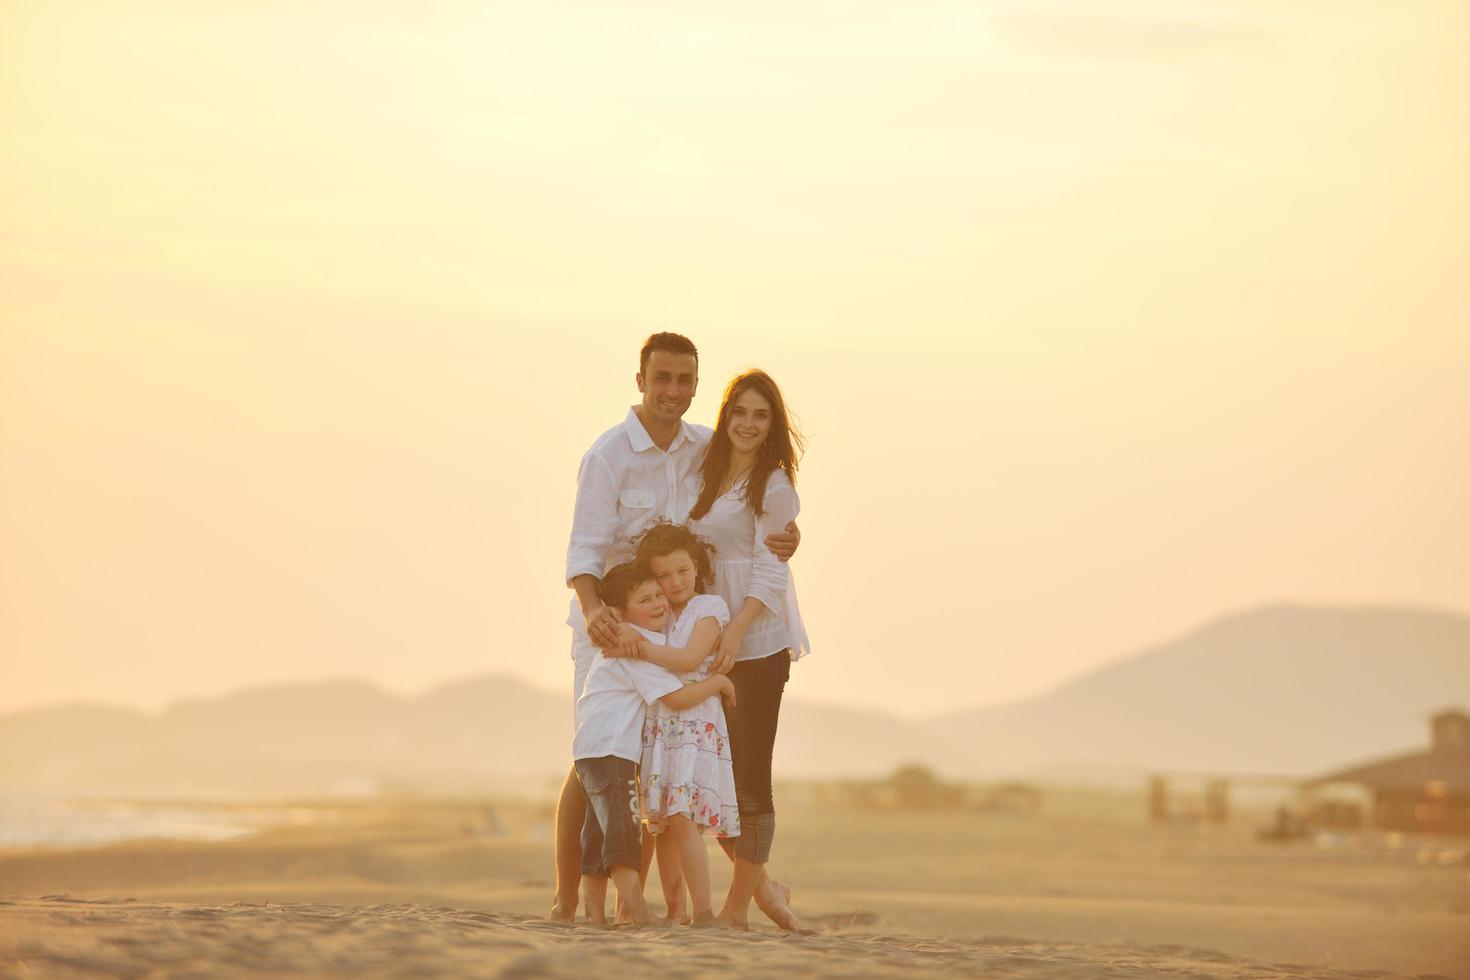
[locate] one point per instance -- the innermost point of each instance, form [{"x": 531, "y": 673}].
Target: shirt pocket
[{"x": 636, "y": 499}]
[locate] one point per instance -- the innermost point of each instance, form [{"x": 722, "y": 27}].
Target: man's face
[{"x": 668, "y": 385}]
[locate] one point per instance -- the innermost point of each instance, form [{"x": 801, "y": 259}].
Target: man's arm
[
  {"x": 594, "y": 524},
  {"x": 602, "y": 621},
  {"x": 783, "y": 544}
]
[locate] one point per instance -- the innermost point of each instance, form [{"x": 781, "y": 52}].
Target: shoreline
[{"x": 1098, "y": 887}]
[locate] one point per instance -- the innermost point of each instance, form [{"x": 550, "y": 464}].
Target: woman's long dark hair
[{"x": 781, "y": 450}]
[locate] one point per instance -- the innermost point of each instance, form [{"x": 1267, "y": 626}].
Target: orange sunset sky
[{"x": 1101, "y": 319}]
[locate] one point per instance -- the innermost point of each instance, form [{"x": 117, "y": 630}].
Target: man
[{"x": 640, "y": 471}]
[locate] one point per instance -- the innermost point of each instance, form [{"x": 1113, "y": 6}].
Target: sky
[{"x": 1102, "y": 321}]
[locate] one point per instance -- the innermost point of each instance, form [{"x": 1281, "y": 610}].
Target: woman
[{"x": 747, "y": 491}]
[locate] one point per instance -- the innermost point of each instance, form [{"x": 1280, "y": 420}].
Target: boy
[{"x": 609, "y": 741}]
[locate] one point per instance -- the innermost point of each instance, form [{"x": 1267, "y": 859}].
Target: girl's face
[
  {"x": 676, "y": 576},
  {"x": 647, "y": 607},
  {"x": 750, "y": 421}
]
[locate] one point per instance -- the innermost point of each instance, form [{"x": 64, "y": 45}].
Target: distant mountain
[
  {"x": 1278, "y": 690},
  {"x": 299, "y": 739}
]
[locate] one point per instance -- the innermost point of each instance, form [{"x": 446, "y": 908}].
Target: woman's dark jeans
[{"x": 752, "y": 723}]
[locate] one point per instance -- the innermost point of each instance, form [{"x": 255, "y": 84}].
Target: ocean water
[{"x": 39, "y": 822}]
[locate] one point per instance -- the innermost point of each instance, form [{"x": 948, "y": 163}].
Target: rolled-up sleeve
[
  {"x": 594, "y": 519},
  {"x": 769, "y": 574}
]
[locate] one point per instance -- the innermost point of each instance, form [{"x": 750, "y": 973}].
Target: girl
[
  {"x": 687, "y": 780},
  {"x": 747, "y": 489}
]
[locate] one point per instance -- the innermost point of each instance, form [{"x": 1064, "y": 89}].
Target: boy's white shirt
[{"x": 610, "y": 710}]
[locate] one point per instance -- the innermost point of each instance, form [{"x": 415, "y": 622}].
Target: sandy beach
[{"x": 455, "y": 889}]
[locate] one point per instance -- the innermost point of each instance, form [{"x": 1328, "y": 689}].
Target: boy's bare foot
[
  {"x": 597, "y": 920},
  {"x": 702, "y": 920},
  {"x": 669, "y": 920}
]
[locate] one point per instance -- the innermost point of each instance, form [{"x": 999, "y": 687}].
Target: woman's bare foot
[
  {"x": 678, "y": 914},
  {"x": 779, "y": 911},
  {"x": 727, "y": 920},
  {"x": 784, "y": 918},
  {"x": 702, "y": 920},
  {"x": 635, "y": 920},
  {"x": 564, "y": 916}
]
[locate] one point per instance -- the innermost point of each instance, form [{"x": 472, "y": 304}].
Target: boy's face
[
  {"x": 647, "y": 606},
  {"x": 676, "y": 576}
]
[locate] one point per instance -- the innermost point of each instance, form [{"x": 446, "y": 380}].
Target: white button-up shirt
[{"x": 624, "y": 485}]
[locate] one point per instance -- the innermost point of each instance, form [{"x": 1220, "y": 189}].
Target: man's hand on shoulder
[
  {"x": 783, "y": 544},
  {"x": 627, "y": 643},
  {"x": 603, "y": 626}
]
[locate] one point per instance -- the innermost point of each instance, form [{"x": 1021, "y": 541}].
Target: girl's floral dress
[{"x": 686, "y": 764}]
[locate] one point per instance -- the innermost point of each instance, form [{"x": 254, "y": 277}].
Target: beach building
[{"x": 1421, "y": 792}]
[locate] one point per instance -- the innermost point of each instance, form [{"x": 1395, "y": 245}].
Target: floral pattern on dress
[{"x": 686, "y": 766}]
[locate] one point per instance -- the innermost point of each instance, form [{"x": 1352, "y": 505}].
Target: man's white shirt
[{"x": 624, "y": 485}]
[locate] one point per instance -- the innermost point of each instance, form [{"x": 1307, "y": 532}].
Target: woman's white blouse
[{"x": 744, "y": 566}]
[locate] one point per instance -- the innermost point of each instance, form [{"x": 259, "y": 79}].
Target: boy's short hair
[
  {"x": 619, "y": 582},
  {"x": 669, "y": 343}
]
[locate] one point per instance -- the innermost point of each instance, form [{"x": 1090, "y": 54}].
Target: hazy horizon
[
  {"x": 1462, "y": 699},
  {"x": 1100, "y": 324}
]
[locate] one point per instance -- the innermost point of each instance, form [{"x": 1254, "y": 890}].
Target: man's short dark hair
[{"x": 669, "y": 343}]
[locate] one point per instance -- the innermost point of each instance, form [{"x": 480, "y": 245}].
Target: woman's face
[
  {"x": 675, "y": 574},
  {"x": 750, "y": 421}
]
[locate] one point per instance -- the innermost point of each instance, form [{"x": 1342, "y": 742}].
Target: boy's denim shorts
[{"x": 612, "y": 834}]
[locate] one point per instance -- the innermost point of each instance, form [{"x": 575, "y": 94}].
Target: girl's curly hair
[{"x": 665, "y": 538}]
